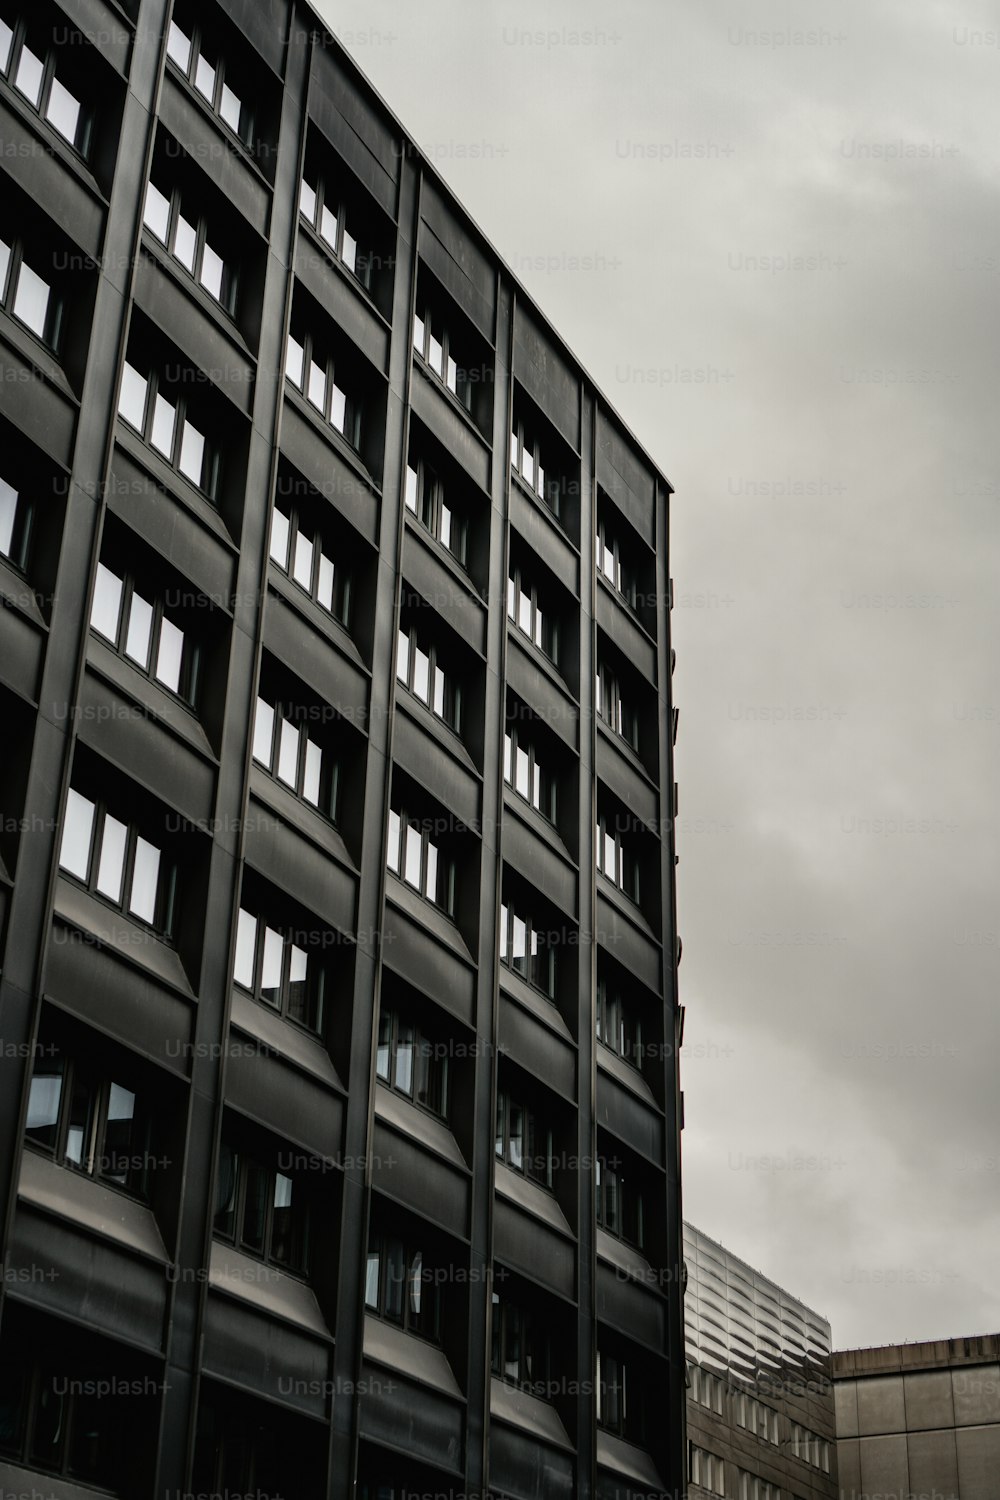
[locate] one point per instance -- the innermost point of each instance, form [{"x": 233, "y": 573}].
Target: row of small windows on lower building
[
  {"x": 715, "y": 1394},
  {"x": 708, "y": 1470}
]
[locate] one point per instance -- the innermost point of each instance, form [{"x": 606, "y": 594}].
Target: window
[
  {"x": 755, "y": 1417},
  {"x": 528, "y": 950},
  {"x": 187, "y": 237},
  {"x": 81, "y": 1117},
  {"x": 36, "y": 71},
  {"x": 752, "y": 1487},
  {"x": 72, "y": 1422},
  {"x": 418, "y": 667},
  {"x": 523, "y": 1142},
  {"x": 262, "y": 1211},
  {"x": 399, "y": 1288},
  {"x": 310, "y": 369},
  {"x": 223, "y": 90},
  {"x": 616, "y": 711},
  {"x": 521, "y": 770},
  {"x": 425, "y": 498},
  {"x": 416, "y": 858},
  {"x": 293, "y": 757},
  {"x": 705, "y": 1388},
  {"x": 272, "y": 963},
  {"x": 238, "y": 1453},
  {"x": 437, "y": 349},
  {"x": 524, "y": 607},
  {"x": 708, "y": 1470},
  {"x": 411, "y": 1063},
  {"x": 613, "y": 567},
  {"x": 526, "y": 461},
  {"x": 810, "y": 1447},
  {"x": 15, "y": 524},
  {"x": 26, "y": 294},
  {"x": 324, "y": 209},
  {"x": 619, "y": 1025},
  {"x": 161, "y": 416},
  {"x": 140, "y": 629},
  {"x": 619, "y": 1398},
  {"x": 521, "y": 1348},
  {"x": 619, "y": 1201},
  {"x": 116, "y": 862},
  {"x": 298, "y": 550},
  {"x": 616, "y": 859}
]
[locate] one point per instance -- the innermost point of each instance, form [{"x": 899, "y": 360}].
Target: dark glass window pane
[
  {"x": 80, "y": 1136},
  {"x": 286, "y": 1247},
  {"x": 255, "y": 1208},
  {"x": 49, "y": 1427},
  {"x": 94, "y": 1433},
  {"x": 12, "y": 1402},
  {"x": 225, "y": 1195},
  {"x": 43, "y": 1103},
  {"x": 122, "y": 1142},
  {"x": 395, "y": 1275}
]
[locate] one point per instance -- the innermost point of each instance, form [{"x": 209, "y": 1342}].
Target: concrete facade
[
  {"x": 919, "y": 1421},
  {"x": 760, "y": 1395}
]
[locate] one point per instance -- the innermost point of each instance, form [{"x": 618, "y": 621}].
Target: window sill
[
  {"x": 90, "y": 1205},
  {"x": 534, "y": 1002},
  {"x": 396, "y": 1111},
  {"x": 16, "y": 591},
  {"x": 321, "y": 619},
  {"x": 267, "y": 1288},
  {"x": 410, "y": 1356},
  {"x": 626, "y": 1258},
  {"x": 426, "y": 914},
  {"x": 288, "y": 808},
  {"x": 544, "y": 509},
  {"x": 625, "y": 750},
  {"x": 53, "y": 141},
  {"x": 622, "y": 603},
  {"x": 15, "y": 1480},
  {"x": 623, "y": 1457},
  {"x": 534, "y": 1200},
  {"x": 537, "y": 656},
  {"x": 449, "y": 739},
  {"x": 358, "y": 287},
  {"x": 170, "y": 481},
  {"x": 36, "y": 354},
  {"x": 235, "y": 143},
  {"x": 625, "y": 1074},
  {"x": 329, "y": 433},
  {"x": 540, "y": 826},
  {"x": 438, "y": 550},
  {"x": 284, "y": 1039},
  {"x": 157, "y": 252},
  {"x": 626, "y": 906},
  {"x": 528, "y": 1413},
  {"x": 171, "y": 712},
  {"x": 450, "y": 400},
  {"x": 107, "y": 928}
]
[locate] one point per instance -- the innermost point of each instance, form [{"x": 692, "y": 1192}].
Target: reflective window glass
[
  {"x": 145, "y": 876},
  {"x": 74, "y": 851}
]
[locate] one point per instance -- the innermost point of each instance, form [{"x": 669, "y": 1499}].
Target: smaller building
[
  {"x": 919, "y": 1419},
  {"x": 760, "y": 1407}
]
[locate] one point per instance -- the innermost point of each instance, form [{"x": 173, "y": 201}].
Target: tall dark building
[{"x": 339, "y": 1114}]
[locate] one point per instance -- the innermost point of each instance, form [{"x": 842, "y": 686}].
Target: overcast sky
[{"x": 772, "y": 235}]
